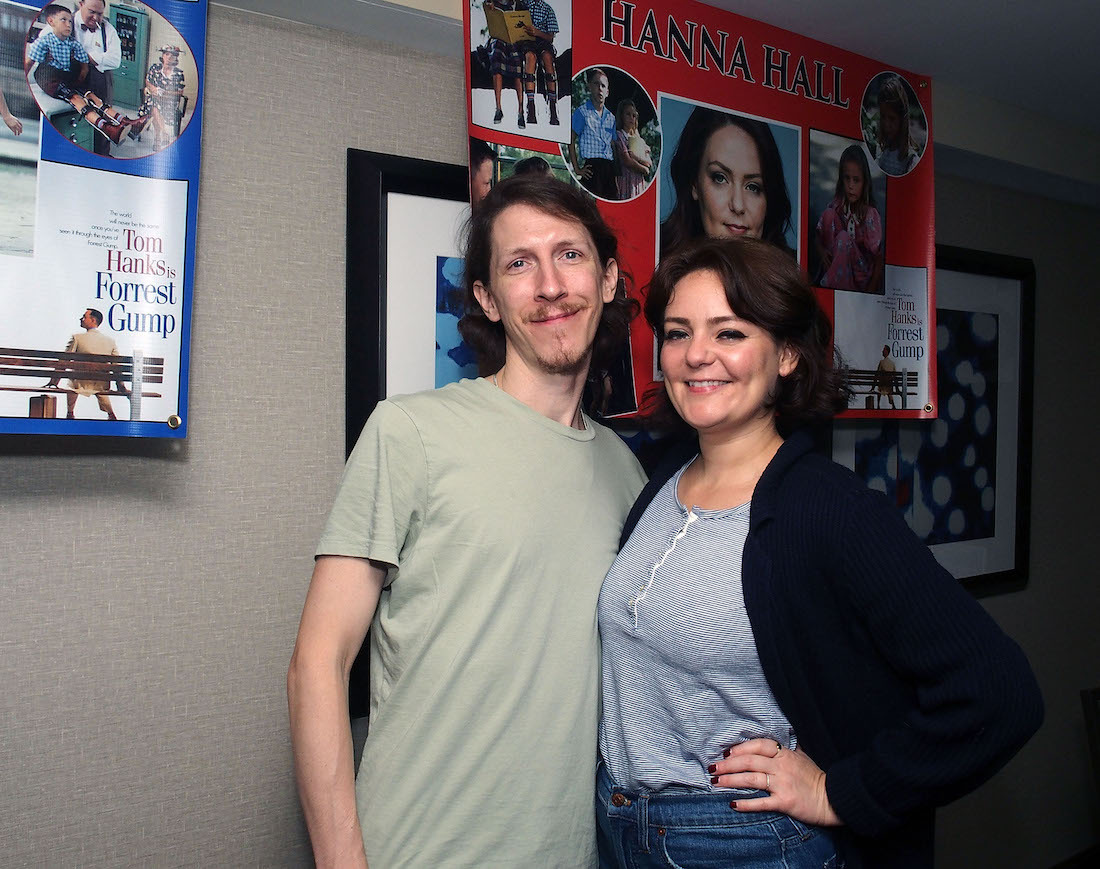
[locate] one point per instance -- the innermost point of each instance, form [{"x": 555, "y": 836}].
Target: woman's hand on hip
[{"x": 795, "y": 784}]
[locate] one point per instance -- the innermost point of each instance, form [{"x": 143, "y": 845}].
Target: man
[
  {"x": 593, "y": 134},
  {"x": 886, "y": 379},
  {"x": 471, "y": 532},
  {"x": 92, "y": 341},
  {"x": 100, "y": 40}
]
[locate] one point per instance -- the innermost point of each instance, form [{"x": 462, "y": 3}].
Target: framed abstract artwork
[
  {"x": 963, "y": 480},
  {"x": 403, "y": 225},
  {"x": 404, "y": 279}
]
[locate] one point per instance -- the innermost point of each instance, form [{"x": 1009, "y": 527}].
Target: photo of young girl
[
  {"x": 849, "y": 244},
  {"x": 635, "y": 156},
  {"x": 894, "y": 125}
]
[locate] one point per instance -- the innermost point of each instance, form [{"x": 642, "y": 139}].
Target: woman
[
  {"x": 728, "y": 179},
  {"x": 770, "y": 607},
  {"x": 163, "y": 86},
  {"x": 635, "y": 158}
]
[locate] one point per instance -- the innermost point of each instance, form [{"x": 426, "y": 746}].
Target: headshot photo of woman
[{"x": 727, "y": 177}]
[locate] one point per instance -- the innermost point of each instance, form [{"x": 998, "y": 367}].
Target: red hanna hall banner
[{"x": 685, "y": 120}]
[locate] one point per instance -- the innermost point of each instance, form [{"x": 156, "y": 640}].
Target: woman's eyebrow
[{"x": 720, "y": 165}]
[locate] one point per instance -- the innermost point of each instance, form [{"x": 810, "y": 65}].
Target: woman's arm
[
  {"x": 628, "y": 159},
  {"x": 975, "y": 700},
  {"x": 795, "y": 784}
]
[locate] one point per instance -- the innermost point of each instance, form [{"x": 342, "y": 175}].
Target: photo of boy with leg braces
[
  {"x": 540, "y": 48},
  {"x": 63, "y": 67}
]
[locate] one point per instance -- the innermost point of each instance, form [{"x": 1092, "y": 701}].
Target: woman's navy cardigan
[{"x": 897, "y": 683}]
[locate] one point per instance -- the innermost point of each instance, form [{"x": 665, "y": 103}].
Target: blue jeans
[{"x": 701, "y": 831}]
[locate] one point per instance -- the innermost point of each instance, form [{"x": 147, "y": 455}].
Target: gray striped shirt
[{"x": 681, "y": 677}]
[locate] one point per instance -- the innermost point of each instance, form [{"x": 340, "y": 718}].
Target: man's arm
[
  {"x": 112, "y": 57},
  {"x": 340, "y": 604},
  {"x": 583, "y": 172}
]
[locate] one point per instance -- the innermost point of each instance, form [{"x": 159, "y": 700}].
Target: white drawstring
[{"x": 691, "y": 517}]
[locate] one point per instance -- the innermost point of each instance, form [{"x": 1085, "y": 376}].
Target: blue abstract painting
[
  {"x": 454, "y": 360},
  {"x": 942, "y": 474}
]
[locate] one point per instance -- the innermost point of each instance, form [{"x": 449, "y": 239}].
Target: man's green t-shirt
[{"x": 499, "y": 525}]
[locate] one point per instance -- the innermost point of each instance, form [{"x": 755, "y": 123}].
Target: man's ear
[
  {"x": 788, "y": 360},
  {"x": 610, "y": 282},
  {"x": 485, "y": 299}
]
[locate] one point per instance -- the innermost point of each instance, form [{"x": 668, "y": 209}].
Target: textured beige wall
[
  {"x": 450, "y": 8},
  {"x": 151, "y": 592}
]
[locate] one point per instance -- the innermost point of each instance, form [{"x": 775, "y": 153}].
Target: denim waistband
[{"x": 680, "y": 809}]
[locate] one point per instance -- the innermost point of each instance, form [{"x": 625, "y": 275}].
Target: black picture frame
[
  {"x": 372, "y": 177},
  {"x": 968, "y": 283}
]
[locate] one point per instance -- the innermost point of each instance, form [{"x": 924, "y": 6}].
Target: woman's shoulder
[
  {"x": 814, "y": 467},
  {"x": 811, "y": 476}
]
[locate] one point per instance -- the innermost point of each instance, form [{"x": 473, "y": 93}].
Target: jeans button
[{"x": 618, "y": 800}]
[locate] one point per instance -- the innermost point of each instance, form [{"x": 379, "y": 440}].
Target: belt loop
[{"x": 643, "y": 823}]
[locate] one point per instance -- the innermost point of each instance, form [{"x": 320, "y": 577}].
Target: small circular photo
[
  {"x": 615, "y": 141},
  {"x": 895, "y": 127},
  {"x": 137, "y": 107}
]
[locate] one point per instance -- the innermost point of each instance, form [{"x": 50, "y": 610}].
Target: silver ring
[
  {"x": 778, "y": 748},
  {"x": 767, "y": 782}
]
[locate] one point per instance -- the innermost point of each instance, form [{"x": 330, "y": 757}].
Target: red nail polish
[
  {"x": 714, "y": 779},
  {"x": 733, "y": 804},
  {"x": 712, "y": 769},
  {"x": 726, "y": 753}
]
